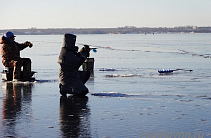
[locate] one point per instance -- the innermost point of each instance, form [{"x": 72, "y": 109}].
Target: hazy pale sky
[{"x": 23, "y": 14}]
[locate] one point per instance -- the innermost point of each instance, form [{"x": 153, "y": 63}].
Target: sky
[{"x": 24, "y": 14}]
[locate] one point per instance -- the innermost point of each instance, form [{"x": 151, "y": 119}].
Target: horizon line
[{"x": 101, "y": 27}]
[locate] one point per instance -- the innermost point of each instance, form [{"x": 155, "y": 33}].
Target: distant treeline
[{"x": 119, "y": 30}]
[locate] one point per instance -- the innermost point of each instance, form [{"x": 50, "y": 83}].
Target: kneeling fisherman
[{"x": 70, "y": 78}]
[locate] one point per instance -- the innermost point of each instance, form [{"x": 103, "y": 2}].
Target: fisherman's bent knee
[{"x": 85, "y": 92}]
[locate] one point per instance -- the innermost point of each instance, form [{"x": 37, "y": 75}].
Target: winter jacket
[
  {"x": 10, "y": 51},
  {"x": 70, "y": 60}
]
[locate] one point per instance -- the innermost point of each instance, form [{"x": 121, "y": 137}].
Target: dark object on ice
[
  {"x": 170, "y": 70},
  {"x": 166, "y": 71},
  {"x": 7, "y": 74}
]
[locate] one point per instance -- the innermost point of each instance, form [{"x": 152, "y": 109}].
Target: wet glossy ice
[{"x": 134, "y": 99}]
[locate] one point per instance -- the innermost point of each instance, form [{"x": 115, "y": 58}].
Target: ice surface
[{"x": 124, "y": 102}]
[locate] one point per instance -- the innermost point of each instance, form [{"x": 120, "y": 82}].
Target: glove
[
  {"x": 29, "y": 44},
  {"x": 85, "y": 50},
  {"x": 86, "y": 47}
]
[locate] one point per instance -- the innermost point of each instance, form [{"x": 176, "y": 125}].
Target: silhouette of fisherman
[{"x": 70, "y": 78}]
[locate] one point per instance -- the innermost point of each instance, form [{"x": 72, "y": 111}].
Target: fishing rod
[
  {"x": 171, "y": 70},
  {"x": 93, "y": 49},
  {"x": 105, "y": 47}
]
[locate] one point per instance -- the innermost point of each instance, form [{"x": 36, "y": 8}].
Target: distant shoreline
[{"x": 119, "y": 30}]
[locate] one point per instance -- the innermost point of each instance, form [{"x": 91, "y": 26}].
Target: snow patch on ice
[
  {"x": 110, "y": 94},
  {"x": 45, "y": 81},
  {"x": 123, "y": 75},
  {"x": 107, "y": 69}
]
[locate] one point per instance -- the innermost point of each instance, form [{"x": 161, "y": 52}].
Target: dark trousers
[
  {"x": 17, "y": 64},
  {"x": 77, "y": 87},
  {"x": 84, "y": 76}
]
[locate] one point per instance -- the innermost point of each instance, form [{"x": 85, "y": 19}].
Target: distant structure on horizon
[{"x": 119, "y": 30}]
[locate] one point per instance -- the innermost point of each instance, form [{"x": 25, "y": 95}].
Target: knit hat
[{"x": 9, "y": 35}]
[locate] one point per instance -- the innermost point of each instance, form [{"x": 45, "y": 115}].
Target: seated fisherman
[
  {"x": 70, "y": 78},
  {"x": 10, "y": 53}
]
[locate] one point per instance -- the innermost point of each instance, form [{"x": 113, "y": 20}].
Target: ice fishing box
[
  {"x": 88, "y": 65},
  {"x": 7, "y": 74}
]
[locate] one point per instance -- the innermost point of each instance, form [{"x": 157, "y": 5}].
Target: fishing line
[{"x": 108, "y": 47}]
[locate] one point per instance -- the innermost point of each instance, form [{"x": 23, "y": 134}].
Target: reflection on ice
[
  {"x": 16, "y": 105},
  {"x": 31, "y": 82},
  {"x": 74, "y": 117}
]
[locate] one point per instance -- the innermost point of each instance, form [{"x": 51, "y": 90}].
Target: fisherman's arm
[
  {"x": 83, "y": 55},
  {"x": 24, "y": 45}
]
